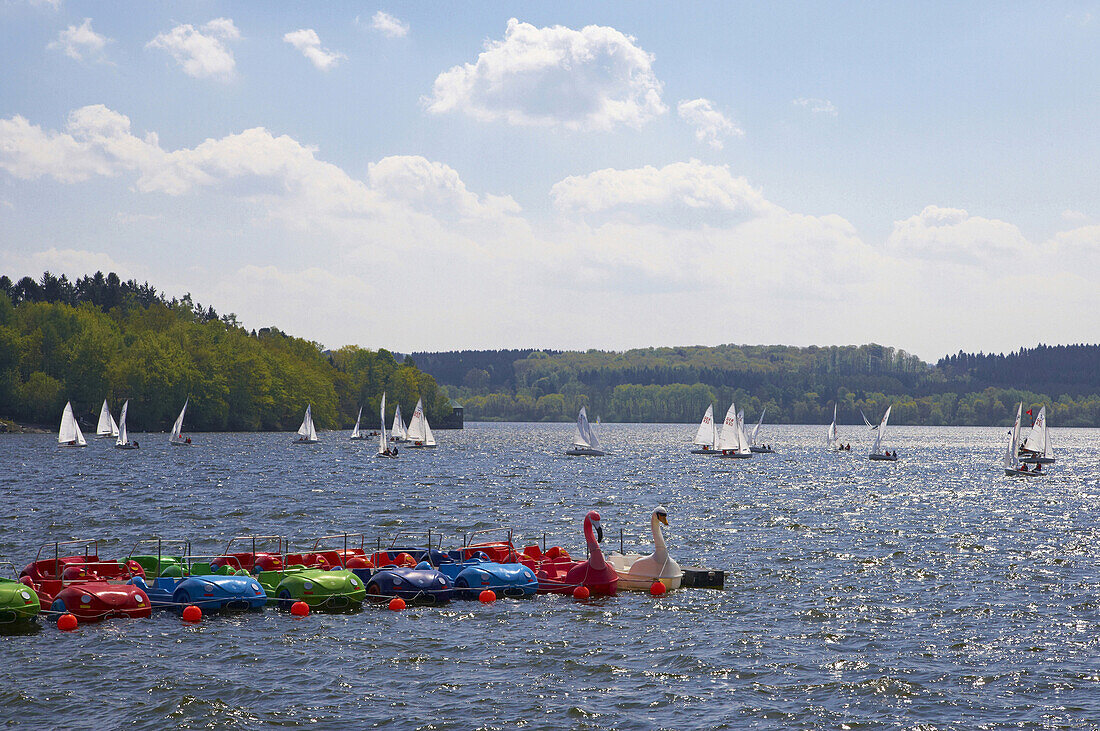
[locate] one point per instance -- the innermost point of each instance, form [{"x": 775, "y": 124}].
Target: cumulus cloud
[
  {"x": 690, "y": 186},
  {"x": 98, "y": 141},
  {"x": 388, "y": 25},
  {"x": 953, "y": 235},
  {"x": 309, "y": 43},
  {"x": 81, "y": 42},
  {"x": 1074, "y": 216},
  {"x": 593, "y": 78},
  {"x": 817, "y": 106},
  {"x": 711, "y": 126},
  {"x": 203, "y": 52}
]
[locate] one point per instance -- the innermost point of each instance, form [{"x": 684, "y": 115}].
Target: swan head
[
  {"x": 594, "y": 518},
  {"x": 661, "y": 514}
]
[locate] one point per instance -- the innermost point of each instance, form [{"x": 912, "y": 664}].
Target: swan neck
[{"x": 658, "y": 538}]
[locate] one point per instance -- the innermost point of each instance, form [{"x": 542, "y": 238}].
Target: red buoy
[
  {"x": 657, "y": 588},
  {"x": 397, "y": 604},
  {"x": 191, "y": 613},
  {"x": 67, "y": 622},
  {"x": 488, "y": 596},
  {"x": 581, "y": 592},
  {"x": 299, "y": 609}
]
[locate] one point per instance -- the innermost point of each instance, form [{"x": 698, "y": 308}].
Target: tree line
[
  {"x": 99, "y": 337},
  {"x": 796, "y": 385}
]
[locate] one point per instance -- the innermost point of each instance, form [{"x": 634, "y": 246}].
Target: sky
[{"x": 568, "y": 175}]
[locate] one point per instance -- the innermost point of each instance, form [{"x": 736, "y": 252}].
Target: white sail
[
  {"x": 1037, "y": 440},
  {"x": 756, "y": 429},
  {"x": 123, "y": 437},
  {"x": 1011, "y": 460},
  {"x": 881, "y": 432},
  {"x": 583, "y": 430},
  {"x": 429, "y": 440},
  {"x": 742, "y": 439},
  {"x": 307, "y": 431},
  {"x": 355, "y": 431},
  {"x": 591, "y": 435},
  {"x": 106, "y": 426},
  {"x": 831, "y": 436},
  {"x": 727, "y": 439},
  {"x": 383, "y": 445},
  {"x": 416, "y": 423},
  {"x": 398, "y": 431},
  {"x": 177, "y": 428},
  {"x": 706, "y": 435},
  {"x": 70, "y": 430}
]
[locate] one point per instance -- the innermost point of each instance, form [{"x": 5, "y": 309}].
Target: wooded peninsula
[{"x": 100, "y": 337}]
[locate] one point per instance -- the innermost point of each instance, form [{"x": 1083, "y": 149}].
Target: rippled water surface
[{"x": 931, "y": 593}]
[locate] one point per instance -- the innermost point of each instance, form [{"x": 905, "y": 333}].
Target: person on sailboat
[
  {"x": 188, "y": 440},
  {"x": 1038, "y": 467},
  {"x": 136, "y": 445}
]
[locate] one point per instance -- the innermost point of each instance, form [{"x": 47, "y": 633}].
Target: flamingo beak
[{"x": 599, "y": 533}]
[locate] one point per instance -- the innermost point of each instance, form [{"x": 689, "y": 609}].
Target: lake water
[{"x": 930, "y": 593}]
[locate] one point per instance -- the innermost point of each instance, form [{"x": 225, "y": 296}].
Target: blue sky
[{"x": 609, "y": 175}]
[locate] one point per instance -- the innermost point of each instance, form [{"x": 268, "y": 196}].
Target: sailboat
[
  {"x": 69, "y": 435},
  {"x": 1037, "y": 449},
  {"x": 107, "y": 428},
  {"x": 707, "y": 436},
  {"x": 355, "y": 433},
  {"x": 1012, "y": 463},
  {"x": 732, "y": 441},
  {"x": 879, "y": 454},
  {"x": 585, "y": 443},
  {"x": 398, "y": 433},
  {"x": 753, "y": 446},
  {"x": 831, "y": 440},
  {"x": 176, "y": 438},
  {"x": 384, "y": 448},
  {"x": 419, "y": 432},
  {"x": 123, "y": 437},
  {"x": 307, "y": 433}
]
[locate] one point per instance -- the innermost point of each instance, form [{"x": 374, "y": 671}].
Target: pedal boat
[
  {"x": 637, "y": 572},
  {"x": 558, "y": 573},
  {"x": 86, "y": 586},
  {"x": 18, "y": 600}
]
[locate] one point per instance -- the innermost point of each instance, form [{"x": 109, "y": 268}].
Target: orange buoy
[
  {"x": 191, "y": 613},
  {"x": 581, "y": 592},
  {"x": 657, "y": 588},
  {"x": 488, "y": 596},
  {"x": 67, "y": 622},
  {"x": 397, "y": 604},
  {"x": 299, "y": 609}
]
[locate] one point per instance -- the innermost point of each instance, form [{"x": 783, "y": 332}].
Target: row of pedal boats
[{"x": 336, "y": 573}]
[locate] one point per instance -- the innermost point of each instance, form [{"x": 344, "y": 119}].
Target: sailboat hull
[
  {"x": 761, "y": 450},
  {"x": 1037, "y": 460},
  {"x": 305, "y": 441},
  {"x": 181, "y": 444},
  {"x": 126, "y": 446},
  {"x": 1021, "y": 473},
  {"x": 705, "y": 451},
  {"x": 882, "y": 458},
  {"x": 584, "y": 452},
  {"x": 735, "y": 455},
  {"x": 74, "y": 445}
]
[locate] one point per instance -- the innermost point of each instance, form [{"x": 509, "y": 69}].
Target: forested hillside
[
  {"x": 796, "y": 385},
  {"x": 99, "y": 337}
]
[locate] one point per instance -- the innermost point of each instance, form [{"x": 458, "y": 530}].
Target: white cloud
[
  {"x": 817, "y": 106},
  {"x": 711, "y": 126},
  {"x": 81, "y": 42},
  {"x": 951, "y": 235},
  {"x": 70, "y": 262},
  {"x": 692, "y": 187},
  {"x": 389, "y": 25},
  {"x": 309, "y": 43},
  {"x": 434, "y": 187},
  {"x": 594, "y": 78},
  {"x": 1074, "y": 216},
  {"x": 202, "y": 53},
  {"x": 52, "y": 4}
]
